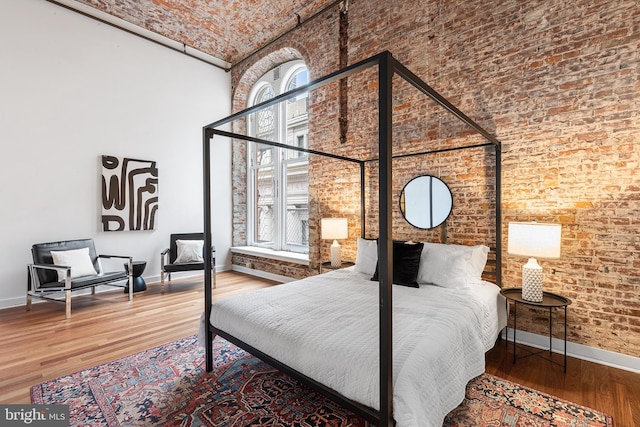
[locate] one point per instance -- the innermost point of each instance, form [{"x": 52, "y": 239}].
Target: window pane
[
  {"x": 298, "y": 107},
  {"x": 264, "y": 213},
  {"x": 265, "y": 119},
  {"x": 297, "y": 202},
  {"x": 262, "y": 155},
  {"x": 296, "y": 139},
  {"x": 301, "y": 78},
  {"x": 266, "y": 124},
  {"x": 298, "y": 116}
]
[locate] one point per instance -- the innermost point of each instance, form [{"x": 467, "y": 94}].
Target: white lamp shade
[
  {"x": 334, "y": 228},
  {"x": 534, "y": 239}
]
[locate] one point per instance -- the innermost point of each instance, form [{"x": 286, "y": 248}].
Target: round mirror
[{"x": 426, "y": 202}]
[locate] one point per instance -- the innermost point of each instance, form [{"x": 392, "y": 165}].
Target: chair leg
[
  {"x": 130, "y": 286},
  {"x": 67, "y": 300},
  {"x": 28, "y": 302},
  {"x": 162, "y": 281}
]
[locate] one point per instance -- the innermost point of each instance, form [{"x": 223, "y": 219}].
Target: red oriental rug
[{"x": 168, "y": 386}]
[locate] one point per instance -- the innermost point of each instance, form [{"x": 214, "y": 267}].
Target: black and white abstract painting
[{"x": 129, "y": 194}]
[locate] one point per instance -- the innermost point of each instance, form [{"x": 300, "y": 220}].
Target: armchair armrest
[
  {"x": 128, "y": 258},
  {"x": 50, "y": 266},
  {"x": 163, "y": 258},
  {"x": 115, "y": 256},
  {"x": 66, "y": 269}
]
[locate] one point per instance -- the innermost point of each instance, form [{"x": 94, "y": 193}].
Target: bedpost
[
  {"x": 206, "y": 187},
  {"x": 363, "y": 201},
  {"x": 498, "y": 152},
  {"x": 385, "y": 245}
]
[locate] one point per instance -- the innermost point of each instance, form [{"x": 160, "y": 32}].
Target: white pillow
[
  {"x": 451, "y": 266},
  {"x": 189, "y": 251},
  {"x": 79, "y": 261},
  {"x": 366, "y": 256},
  {"x": 479, "y": 254}
]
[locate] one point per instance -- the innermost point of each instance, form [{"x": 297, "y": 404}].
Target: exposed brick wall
[
  {"x": 557, "y": 82},
  {"x": 274, "y": 266}
]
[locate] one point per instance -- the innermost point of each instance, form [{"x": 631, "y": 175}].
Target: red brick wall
[{"x": 557, "y": 82}]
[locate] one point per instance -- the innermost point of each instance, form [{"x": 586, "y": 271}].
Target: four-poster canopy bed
[{"x": 387, "y": 68}]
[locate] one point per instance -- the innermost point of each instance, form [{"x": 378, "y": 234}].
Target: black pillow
[{"x": 406, "y": 260}]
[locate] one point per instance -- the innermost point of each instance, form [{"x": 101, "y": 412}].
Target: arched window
[{"x": 277, "y": 178}]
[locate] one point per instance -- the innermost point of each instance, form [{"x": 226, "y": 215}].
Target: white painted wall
[{"x": 73, "y": 89}]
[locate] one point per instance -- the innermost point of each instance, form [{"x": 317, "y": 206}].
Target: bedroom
[{"x": 562, "y": 99}]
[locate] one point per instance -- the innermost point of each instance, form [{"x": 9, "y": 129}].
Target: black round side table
[
  {"x": 138, "y": 282},
  {"x": 549, "y": 301}
]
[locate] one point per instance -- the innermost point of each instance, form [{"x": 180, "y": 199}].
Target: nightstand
[
  {"x": 327, "y": 266},
  {"x": 550, "y": 301}
]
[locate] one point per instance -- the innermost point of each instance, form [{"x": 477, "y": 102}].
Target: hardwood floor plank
[
  {"x": 106, "y": 326},
  {"x": 41, "y": 344}
]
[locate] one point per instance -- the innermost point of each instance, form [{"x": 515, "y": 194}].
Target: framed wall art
[{"x": 129, "y": 194}]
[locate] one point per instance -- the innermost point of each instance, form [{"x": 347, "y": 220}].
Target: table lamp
[
  {"x": 535, "y": 240},
  {"x": 334, "y": 229}
]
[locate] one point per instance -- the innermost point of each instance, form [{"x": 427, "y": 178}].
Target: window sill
[{"x": 292, "y": 257}]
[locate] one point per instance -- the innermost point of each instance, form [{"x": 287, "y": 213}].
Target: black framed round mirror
[{"x": 426, "y": 202}]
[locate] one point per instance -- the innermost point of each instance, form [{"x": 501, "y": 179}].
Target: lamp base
[
  {"x": 336, "y": 259},
  {"x": 532, "y": 281}
]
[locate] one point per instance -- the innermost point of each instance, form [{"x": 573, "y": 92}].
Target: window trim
[
  {"x": 251, "y": 188},
  {"x": 280, "y": 164}
]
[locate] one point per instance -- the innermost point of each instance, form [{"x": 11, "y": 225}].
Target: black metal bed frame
[{"x": 388, "y": 66}]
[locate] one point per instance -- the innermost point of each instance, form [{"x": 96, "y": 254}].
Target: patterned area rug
[
  {"x": 492, "y": 401},
  {"x": 168, "y": 386}
]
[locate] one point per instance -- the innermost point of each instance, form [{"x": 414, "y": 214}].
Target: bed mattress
[{"x": 326, "y": 327}]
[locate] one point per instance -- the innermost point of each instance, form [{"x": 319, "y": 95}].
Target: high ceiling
[{"x": 226, "y": 29}]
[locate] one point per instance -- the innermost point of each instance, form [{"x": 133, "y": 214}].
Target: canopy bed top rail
[
  {"x": 387, "y": 68},
  {"x": 281, "y": 145},
  {"x": 212, "y": 132},
  {"x": 442, "y": 150},
  {"x": 317, "y": 83},
  {"x": 417, "y": 82},
  {"x": 396, "y": 68}
]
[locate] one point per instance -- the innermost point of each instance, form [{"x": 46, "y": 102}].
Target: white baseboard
[
  {"x": 579, "y": 351},
  {"x": 22, "y": 301},
  {"x": 16, "y": 302}
]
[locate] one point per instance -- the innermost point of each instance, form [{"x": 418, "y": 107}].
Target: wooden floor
[
  {"x": 610, "y": 390},
  {"x": 41, "y": 345}
]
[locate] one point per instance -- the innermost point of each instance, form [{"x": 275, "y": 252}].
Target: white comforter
[{"x": 326, "y": 327}]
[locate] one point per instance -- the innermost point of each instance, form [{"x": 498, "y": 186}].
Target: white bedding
[{"x": 326, "y": 327}]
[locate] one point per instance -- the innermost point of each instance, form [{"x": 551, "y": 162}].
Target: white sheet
[{"x": 326, "y": 327}]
